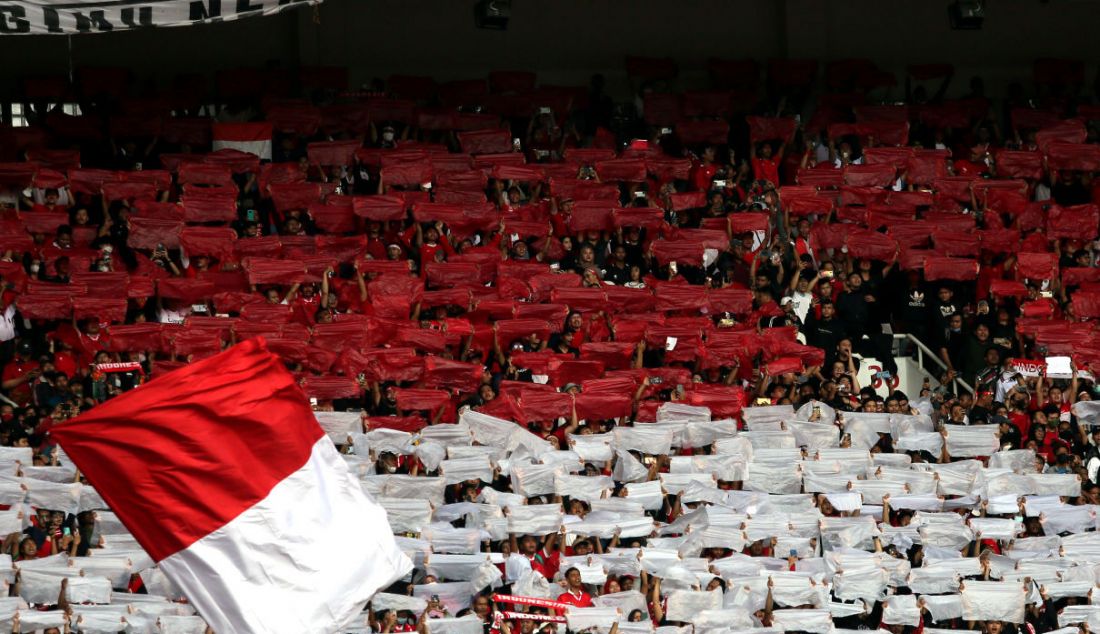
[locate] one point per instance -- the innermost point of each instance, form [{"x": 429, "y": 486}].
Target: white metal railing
[{"x": 924, "y": 352}]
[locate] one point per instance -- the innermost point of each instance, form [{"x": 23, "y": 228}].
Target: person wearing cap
[
  {"x": 394, "y": 252},
  {"x": 20, "y": 373}
]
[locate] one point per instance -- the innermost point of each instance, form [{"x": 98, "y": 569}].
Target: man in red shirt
[
  {"x": 50, "y": 199},
  {"x": 765, "y": 167},
  {"x": 305, "y": 300},
  {"x": 19, "y": 375},
  {"x": 545, "y": 560},
  {"x": 574, "y": 590},
  {"x": 428, "y": 242},
  {"x": 702, "y": 172}
]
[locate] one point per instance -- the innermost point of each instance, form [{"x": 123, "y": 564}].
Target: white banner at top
[{"x": 30, "y": 17}]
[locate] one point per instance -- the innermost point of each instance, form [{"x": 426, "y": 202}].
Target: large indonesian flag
[
  {"x": 254, "y": 138},
  {"x": 223, "y": 475}
]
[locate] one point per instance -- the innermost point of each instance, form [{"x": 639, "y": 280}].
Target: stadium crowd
[{"x": 599, "y": 362}]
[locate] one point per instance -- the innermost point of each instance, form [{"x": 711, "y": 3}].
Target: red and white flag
[
  {"x": 254, "y": 138},
  {"x": 221, "y": 472}
]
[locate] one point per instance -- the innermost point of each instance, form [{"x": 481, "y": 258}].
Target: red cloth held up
[
  {"x": 186, "y": 290},
  {"x": 129, "y": 191},
  {"x": 330, "y": 387},
  {"x": 485, "y": 141},
  {"x": 592, "y": 215},
  {"x": 380, "y": 208},
  {"x": 407, "y": 173},
  {"x": 955, "y": 243},
  {"x": 289, "y": 196},
  {"x": 45, "y": 222},
  {"x": 999, "y": 240},
  {"x": 140, "y": 336},
  {"x": 681, "y": 251},
  {"x": 1086, "y": 304},
  {"x": 730, "y": 300},
  {"x": 925, "y": 166},
  {"x": 205, "y": 174},
  {"x": 784, "y": 365},
  {"x": 1070, "y": 131},
  {"x": 271, "y": 271},
  {"x": 421, "y": 399},
  {"x": 770, "y": 128},
  {"x": 667, "y": 169},
  {"x": 614, "y": 355},
  {"x": 1073, "y": 276},
  {"x": 625, "y": 170},
  {"x": 44, "y": 306},
  {"x": 681, "y": 201},
  {"x": 644, "y": 217},
  {"x": 199, "y": 206},
  {"x": 874, "y": 175},
  {"x": 871, "y": 245},
  {"x": 1037, "y": 266},
  {"x": 102, "y": 284},
  {"x": 706, "y": 131},
  {"x": 1008, "y": 288},
  {"x": 332, "y": 153},
  {"x": 153, "y": 209},
  {"x": 947, "y": 268},
  {"x": 896, "y": 156},
  {"x": 237, "y": 161},
  {"x": 581, "y": 299},
  {"x": 539, "y": 405},
  {"x": 1080, "y": 222},
  {"x": 336, "y": 217},
  {"x": 687, "y": 297},
  {"x": 215, "y": 242},
  {"x": 1019, "y": 164},
  {"x": 565, "y": 371},
  {"x": 1073, "y": 156}
]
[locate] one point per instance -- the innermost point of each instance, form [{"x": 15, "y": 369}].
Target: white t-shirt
[
  {"x": 168, "y": 316},
  {"x": 802, "y": 303}
]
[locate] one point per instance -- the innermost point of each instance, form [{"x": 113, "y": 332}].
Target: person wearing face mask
[
  {"x": 388, "y": 138},
  {"x": 394, "y": 621}
]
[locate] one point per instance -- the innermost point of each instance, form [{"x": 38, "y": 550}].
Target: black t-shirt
[
  {"x": 915, "y": 310},
  {"x": 618, "y": 275},
  {"x": 1072, "y": 194},
  {"x": 1011, "y": 437},
  {"x": 854, "y": 311},
  {"x": 1003, "y": 336},
  {"x": 941, "y": 317},
  {"x": 824, "y": 334},
  {"x": 385, "y": 408}
]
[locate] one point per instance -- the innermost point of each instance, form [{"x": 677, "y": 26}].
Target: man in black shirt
[
  {"x": 824, "y": 332},
  {"x": 853, "y": 306},
  {"x": 1069, "y": 190},
  {"x": 944, "y": 308},
  {"x": 915, "y": 312},
  {"x": 953, "y": 343},
  {"x": 618, "y": 271},
  {"x": 1010, "y": 434}
]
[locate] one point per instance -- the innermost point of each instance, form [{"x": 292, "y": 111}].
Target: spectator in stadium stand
[{"x": 615, "y": 377}]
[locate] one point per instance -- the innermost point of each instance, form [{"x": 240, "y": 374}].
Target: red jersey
[
  {"x": 702, "y": 176},
  {"x": 21, "y": 393},
  {"x": 765, "y": 170},
  {"x": 305, "y": 308},
  {"x": 581, "y": 599}
]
